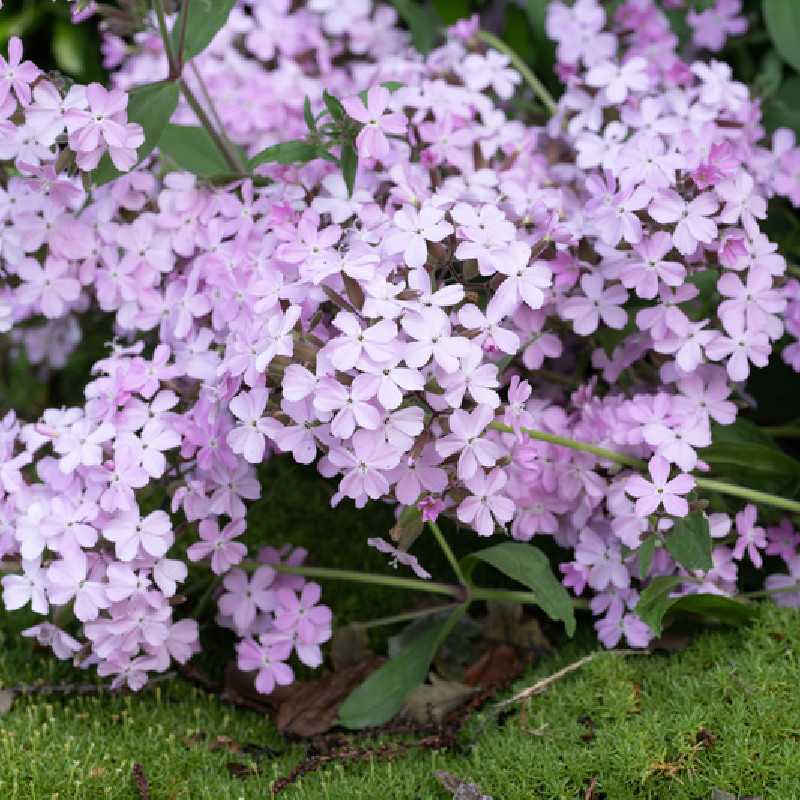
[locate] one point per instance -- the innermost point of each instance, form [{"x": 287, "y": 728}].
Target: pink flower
[
  {"x": 643, "y": 272},
  {"x": 366, "y": 465},
  {"x": 741, "y": 347},
  {"x": 243, "y": 598},
  {"x": 596, "y": 304},
  {"x": 82, "y": 444},
  {"x": 133, "y": 534},
  {"x": 430, "y": 331},
  {"x": 465, "y": 438},
  {"x": 693, "y": 224},
  {"x": 15, "y": 74},
  {"x": 354, "y": 343},
  {"x": 51, "y": 287},
  {"x": 220, "y": 545},
  {"x": 69, "y": 579},
  {"x": 413, "y": 230},
  {"x": 524, "y": 282},
  {"x": 268, "y": 657},
  {"x": 661, "y": 490},
  {"x": 751, "y": 538},
  {"x": 371, "y": 140},
  {"x": 617, "y": 80},
  {"x": 710, "y": 28},
  {"x": 247, "y": 438},
  {"x": 302, "y": 614},
  {"x": 486, "y": 504}
]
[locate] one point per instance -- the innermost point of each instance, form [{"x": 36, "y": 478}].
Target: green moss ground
[{"x": 645, "y": 711}]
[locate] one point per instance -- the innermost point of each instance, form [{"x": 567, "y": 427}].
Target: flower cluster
[{"x": 402, "y": 337}]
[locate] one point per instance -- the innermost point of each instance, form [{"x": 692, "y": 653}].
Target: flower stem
[
  {"x": 182, "y": 21},
  {"x": 158, "y": 7},
  {"x": 530, "y": 78},
  {"x": 222, "y": 142},
  {"x": 326, "y": 573},
  {"x": 512, "y": 596},
  {"x": 783, "y": 431},
  {"x": 795, "y": 587},
  {"x": 629, "y": 461},
  {"x": 447, "y": 551},
  {"x": 405, "y": 616}
]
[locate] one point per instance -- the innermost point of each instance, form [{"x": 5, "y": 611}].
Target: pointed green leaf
[
  {"x": 783, "y": 23},
  {"x": 381, "y": 696},
  {"x": 349, "y": 162},
  {"x": 151, "y": 106},
  {"x": 423, "y": 22},
  {"x": 654, "y": 601},
  {"x": 308, "y": 116},
  {"x": 531, "y": 567},
  {"x": 689, "y": 542},
  {"x": 193, "y": 150},
  {"x": 295, "y": 151},
  {"x": 206, "y": 17},
  {"x": 334, "y": 105},
  {"x": 646, "y": 551}
]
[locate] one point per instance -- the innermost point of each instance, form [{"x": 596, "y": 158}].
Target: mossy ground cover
[{"x": 725, "y": 713}]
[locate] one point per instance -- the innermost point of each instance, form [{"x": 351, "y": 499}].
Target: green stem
[
  {"x": 795, "y": 587},
  {"x": 792, "y": 270},
  {"x": 222, "y": 142},
  {"x": 158, "y": 7},
  {"x": 512, "y": 596},
  {"x": 184, "y": 19},
  {"x": 406, "y": 616},
  {"x": 447, "y": 551},
  {"x": 536, "y": 85},
  {"x": 783, "y": 432},
  {"x": 574, "y": 444},
  {"x": 748, "y": 494},
  {"x": 629, "y": 461},
  {"x": 206, "y": 96},
  {"x": 326, "y": 573}
]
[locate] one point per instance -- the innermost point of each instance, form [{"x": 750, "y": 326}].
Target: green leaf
[
  {"x": 654, "y": 601},
  {"x": 689, "y": 542},
  {"x": 531, "y": 567},
  {"x": 206, "y": 17},
  {"x": 308, "y": 116},
  {"x": 452, "y": 10},
  {"x": 334, "y": 105},
  {"x": 423, "y": 22},
  {"x": 782, "y": 109},
  {"x": 646, "y": 551},
  {"x": 193, "y": 150},
  {"x": 544, "y": 47},
  {"x": 724, "y": 609},
  {"x": 655, "y": 604},
  {"x": 782, "y": 18},
  {"x": 295, "y": 151},
  {"x": 349, "y": 162},
  {"x": 381, "y": 696},
  {"x": 151, "y": 106},
  {"x": 770, "y": 75}
]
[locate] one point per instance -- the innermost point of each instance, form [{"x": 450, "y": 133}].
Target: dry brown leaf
[
  {"x": 433, "y": 701},
  {"x": 506, "y": 622},
  {"x": 671, "y": 642},
  {"x": 349, "y": 646},
  {"x": 241, "y": 771},
  {"x": 312, "y": 707},
  {"x": 461, "y": 789},
  {"x": 6, "y": 701},
  {"x": 498, "y": 666}
]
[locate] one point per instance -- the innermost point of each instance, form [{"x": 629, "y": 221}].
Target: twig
[
  {"x": 140, "y": 781},
  {"x": 544, "y": 683},
  {"x": 68, "y": 689}
]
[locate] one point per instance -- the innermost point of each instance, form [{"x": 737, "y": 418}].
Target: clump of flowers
[{"x": 533, "y": 329}]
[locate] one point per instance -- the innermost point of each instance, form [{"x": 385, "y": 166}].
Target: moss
[{"x": 723, "y": 714}]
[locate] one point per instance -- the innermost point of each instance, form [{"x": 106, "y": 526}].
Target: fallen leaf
[
  {"x": 671, "y": 642},
  {"x": 461, "y": 789},
  {"x": 498, "y": 666},
  {"x": 506, "y": 623},
  {"x": 349, "y": 646},
  {"x": 6, "y": 701},
  {"x": 312, "y": 707},
  {"x": 706, "y": 738},
  {"x": 241, "y": 771},
  {"x": 591, "y": 790},
  {"x": 97, "y": 772},
  {"x": 433, "y": 701},
  {"x": 590, "y": 726},
  {"x": 225, "y": 743}
]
